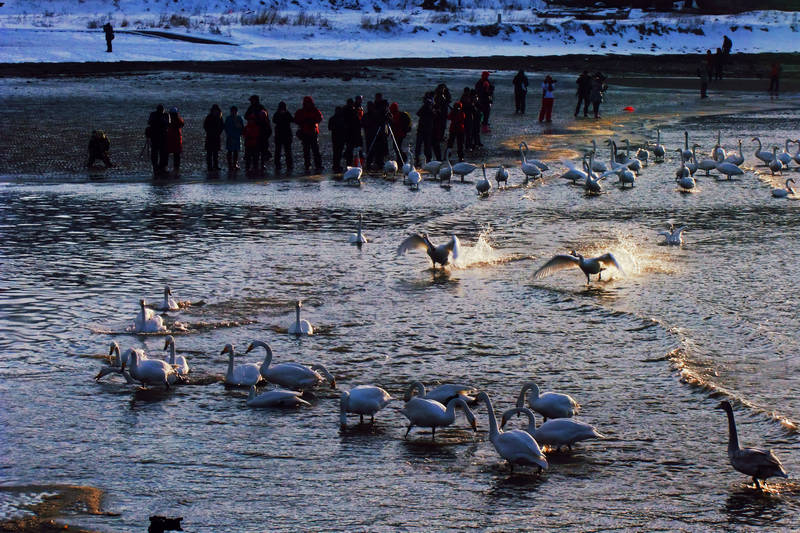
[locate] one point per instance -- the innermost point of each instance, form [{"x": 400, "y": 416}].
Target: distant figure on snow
[
  {"x": 520, "y": 92},
  {"x": 774, "y": 79},
  {"x": 584, "y": 93},
  {"x": 109, "y": 29}
]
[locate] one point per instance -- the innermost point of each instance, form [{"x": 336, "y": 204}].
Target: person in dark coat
[
  {"x": 308, "y": 118},
  {"x": 485, "y": 90},
  {"x": 425, "y": 115},
  {"x": 401, "y": 125},
  {"x": 371, "y": 123},
  {"x": 214, "y": 126},
  {"x": 352, "y": 117},
  {"x": 520, "y": 92},
  {"x": 109, "y": 31},
  {"x": 156, "y": 131},
  {"x": 337, "y": 125},
  {"x": 598, "y": 89},
  {"x": 584, "y": 93},
  {"x": 380, "y": 146},
  {"x": 175, "y": 139},
  {"x": 261, "y": 116},
  {"x": 283, "y": 136},
  {"x": 441, "y": 106},
  {"x": 252, "y": 145},
  {"x": 469, "y": 117},
  {"x": 234, "y": 126},
  {"x": 457, "y": 118},
  {"x": 99, "y": 146}
]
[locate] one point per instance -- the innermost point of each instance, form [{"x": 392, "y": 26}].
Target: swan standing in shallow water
[
  {"x": 245, "y": 375},
  {"x": 358, "y": 238},
  {"x": 501, "y": 175},
  {"x": 275, "y": 398},
  {"x": 169, "y": 303},
  {"x": 529, "y": 168},
  {"x": 775, "y": 164},
  {"x": 658, "y": 150},
  {"x": 718, "y": 153},
  {"x": 483, "y": 185},
  {"x": 758, "y": 464},
  {"x": 764, "y": 155},
  {"x": 783, "y": 193},
  {"x": 291, "y": 375},
  {"x": 432, "y": 414},
  {"x": 594, "y": 265},
  {"x": 729, "y": 169},
  {"x": 548, "y": 404},
  {"x": 147, "y": 321},
  {"x": 362, "y": 400},
  {"x": 517, "y": 447},
  {"x": 440, "y": 254},
  {"x": 300, "y": 327},
  {"x": 443, "y": 393},
  {"x": 556, "y": 433},
  {"x": 736, "y": 159},
  {"x": 353, "y": 174},
  {"x": 674, "y": 236},
  {"x": 179, "y": 363}
]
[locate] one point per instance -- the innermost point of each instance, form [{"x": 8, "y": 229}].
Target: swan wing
[
  {"x": 413, "y": 242},
  {"x": 558, "y": 262},
  {"x": 569, "y": 164},
  {"x": 610, "y": 259},
  {"x": 454, "y": 247}
]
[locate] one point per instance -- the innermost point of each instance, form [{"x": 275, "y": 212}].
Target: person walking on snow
[{"x": 109, "y": 31}]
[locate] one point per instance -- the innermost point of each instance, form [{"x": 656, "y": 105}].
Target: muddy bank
[
  {"x": 56, "y": 502},
  {"x": 755, "y": 66}
]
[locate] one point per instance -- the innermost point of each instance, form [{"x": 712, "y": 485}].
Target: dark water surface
[{"x": 648, "y": 354}]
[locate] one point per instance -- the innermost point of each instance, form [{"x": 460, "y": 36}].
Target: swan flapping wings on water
[
  {"x": 440, "y": 254},
  {"x": 593, "y": 265}
]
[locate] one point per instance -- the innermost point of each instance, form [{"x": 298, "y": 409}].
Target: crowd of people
[{"x": 362, "y": 133}]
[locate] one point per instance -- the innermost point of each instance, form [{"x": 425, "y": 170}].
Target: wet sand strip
[{"x": 57, "y": 501}]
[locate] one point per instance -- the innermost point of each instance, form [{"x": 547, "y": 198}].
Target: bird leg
[
  {"x": 408, "y": 431},
  {"x": 433, "y": 433}
]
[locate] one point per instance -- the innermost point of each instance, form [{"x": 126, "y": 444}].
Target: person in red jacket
[
  {"x": 175, "y": 139},
  {"x": 252, "y": 145},
  {"x": 307, "y": 119},
  {"x": 457, "y": 118}
]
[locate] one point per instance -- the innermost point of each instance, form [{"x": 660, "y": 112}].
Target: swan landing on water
[
  {"x": 594, "y": 265},
  {"x": 439, "y": 254},
  {"x": 758, "y": 464}
]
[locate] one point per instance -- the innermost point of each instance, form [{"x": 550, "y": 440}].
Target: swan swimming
[
  {"x": 293, "y": 376},
  {"x": 758, "y": 464},
  {"x": 783, "y": 193},
  {"x": 275, "y": 398},
  {"x": 517, "y": 447},
  {"x": 548, "y": 404},
  {"x": 443, "y": 393},
  {"x": 555, "y": 433},
  {"x": 440, "y": 254},
  {"x": 483, "y": 185},
  {"x": 147, "y": 321},
  {"x": 358, "y": 238},
  {"x": 179, "y": 363},
  {"x": 362, "y": 400},
  {"x": 674, "y": 236},
  {"x": 115, "y": 364},
  {"x": 169, "y": 303},
  {"x": 300, "y": 327},
  {"x": 432, "y": 414},
  {"x": 594, "y": 265},
  {"x": 245, "y": 375},
  {"x": 150, "y": 371}
]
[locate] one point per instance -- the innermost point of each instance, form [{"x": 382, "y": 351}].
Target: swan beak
[
  {"x": 98, "y": 376},
  {"x": 474, "y": 426},
  {"x": 333, "y": 384},
  {"x": 248, "y": 349},
  {"x": 224, "y": 351},
  {"x": 719, "y": 406},
  {"x": 166, "y": 344}
]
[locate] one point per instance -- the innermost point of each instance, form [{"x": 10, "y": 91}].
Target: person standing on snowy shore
[{"x": 109, "y": 30}]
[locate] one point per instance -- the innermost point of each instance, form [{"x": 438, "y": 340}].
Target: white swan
[
  {"x": 597, "y": 165},
  {"x": 729, "y": 169},
  {"x": 169, "y": 303},
  {"x": 529, "y": 168},
  {"x": 704, "y": 164},
  {"x": 432, "y": 414},
  {"x": 674, "y": 236},
  {"x": 785, "y": 157},
  {"x": 432, "y": 167},
  {"x": 796, "y": 156},
  {"x": 414, "y": 178},
  {"x": 445, "y": 172},
  {"x": 758, "y": 464},
  {"x": 362, "y": 400},
  {"x": 245, "y": 375},
  {"x": 439, "y": 254},
  {"x": 573, "y": 173},
  {"x": 783, "y": 193},
  {"x": 408, "y": 164},
  {"x": 764, "y": 155},
  {"x": 358, "y": 238},
  {"x": 686, "y": 153},
  {"x": 738, "y": 158},
  {"x": 114, "y": 365},
  {"x": 462, "y": 169},
  {"x": 293, "y": 376},
  {"x": 442, "y": 393},
  {"x": 483, "y": 185},
  {"x": 548, "y": 404},
  {"x": 275, "y": 398},
  {"x": 595, "y": 265},
  {"x": 147, "y": 321},
  {"x": 718, "y": 153},
  {"x": 179, "y": 363},
  {"x": 353, "y": 174},
  {"x": 516, "y": 446},
  {"x": 555, "y": 433},
  {"x": 775, "y": 164},
  {"x": 501, "y": 175},
  {"x": 592, "y": 184},
  {"x": 300, "y": 327},
  {"x": 150, "y": 371},
  {"x": 686, "y": 183},
  {"x": 658, "y": 151},
  {"x": 390, "y": 167}
]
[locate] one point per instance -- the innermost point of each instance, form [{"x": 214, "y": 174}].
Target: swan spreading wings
[
  {"x": 439, "y": 254},
  {"x": 594, "y": 265}
]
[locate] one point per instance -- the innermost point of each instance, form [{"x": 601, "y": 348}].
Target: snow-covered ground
[{"x": 69, "y": 30}]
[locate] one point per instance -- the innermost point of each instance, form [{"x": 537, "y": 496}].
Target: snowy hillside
[{"x": 69, "y": 30}]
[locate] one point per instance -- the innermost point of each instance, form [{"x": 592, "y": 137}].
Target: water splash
[
  {"x": 634, "y": 258},
  {"x": 480, "y": 253}
]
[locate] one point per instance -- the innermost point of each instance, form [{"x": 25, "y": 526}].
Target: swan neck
[
  {"x": 415, "y": 386},
  {"x": 172, "y": 353},
  {"x": 343, "y": 404},
  {"x": 252, "y": 394},
  {"x": 229, "y": 373},
  {"x": 733, "y": 437},
  {"x": 268, "y": 356},
  {"x": 493, "y": 431}
]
